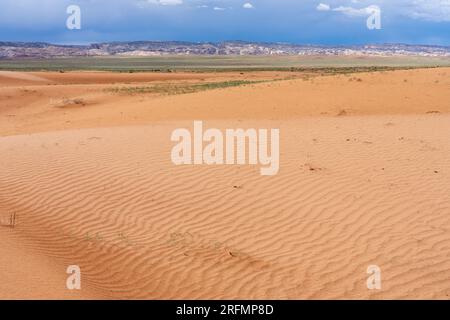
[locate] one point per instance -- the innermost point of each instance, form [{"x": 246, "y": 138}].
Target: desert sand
[{"x": 364, "y": 180}]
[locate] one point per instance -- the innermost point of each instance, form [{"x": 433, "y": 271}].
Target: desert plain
[{"x": 86, "y": 179}]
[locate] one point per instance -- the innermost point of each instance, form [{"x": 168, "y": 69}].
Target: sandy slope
[
  {"x": 369, "y": 187},
  {"x": 40, "y": 108}
]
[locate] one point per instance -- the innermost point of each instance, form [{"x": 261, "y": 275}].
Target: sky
[{"x": 322, "y": 22}]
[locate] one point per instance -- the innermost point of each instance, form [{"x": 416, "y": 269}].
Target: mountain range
[{"x": 13, "y": 50}]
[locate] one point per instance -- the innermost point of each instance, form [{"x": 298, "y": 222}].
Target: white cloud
[
  {"x": 166, "y": 2},
  {"x": 349, "y": 11},
  {"x": 352, "y": 12},
  {"x": 430, "y": 10},
  {"x": 323, "y": 7}
]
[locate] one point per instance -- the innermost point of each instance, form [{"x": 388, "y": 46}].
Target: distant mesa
[{"x": 159, "y": 48}]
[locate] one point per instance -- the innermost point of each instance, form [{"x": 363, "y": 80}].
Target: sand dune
[
  {"x": 366, "y": 186},
  {"x": 27, "y": 109}
]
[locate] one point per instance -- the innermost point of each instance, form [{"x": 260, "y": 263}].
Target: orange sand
[{"x": 364, "y": 179}]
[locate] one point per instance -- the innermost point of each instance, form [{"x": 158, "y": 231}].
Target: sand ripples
[{"x": 140, "y": 227}]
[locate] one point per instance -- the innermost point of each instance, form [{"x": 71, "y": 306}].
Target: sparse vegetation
[
  {"x": 68, "y": 102},
  {"x": 321, "y": 65},
  {"x": 182, "y": 88},
  {"x": 342, "y": 113}
]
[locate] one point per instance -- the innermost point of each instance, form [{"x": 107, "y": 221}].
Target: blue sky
[{"x": 296, "y": 21}]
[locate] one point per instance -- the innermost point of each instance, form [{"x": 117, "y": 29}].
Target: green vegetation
[
  {"x": 173, "y": 89},
  {"x": 217, "y": 63}
]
